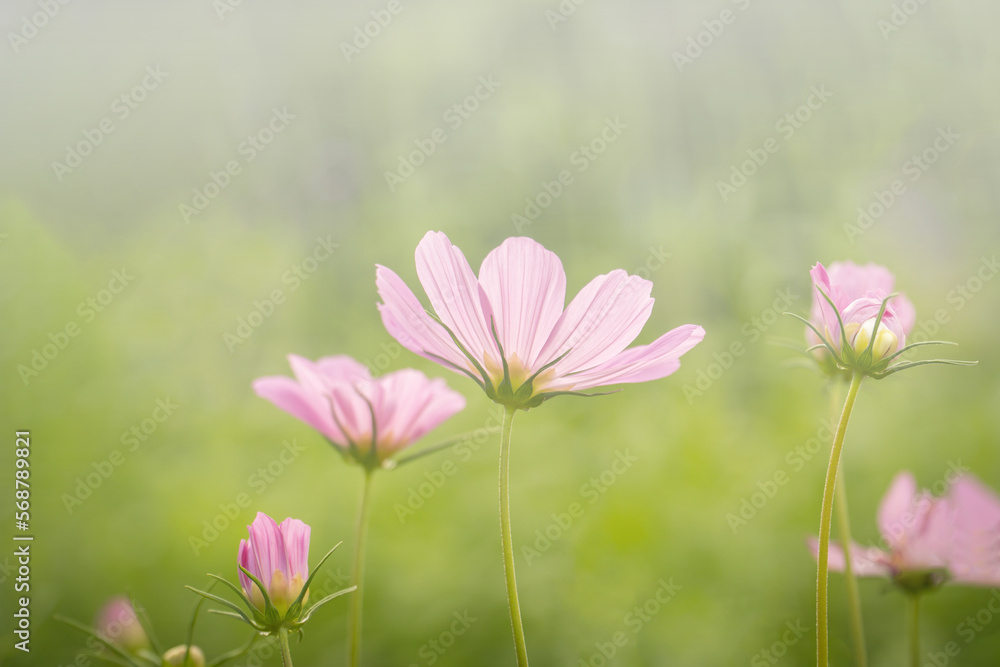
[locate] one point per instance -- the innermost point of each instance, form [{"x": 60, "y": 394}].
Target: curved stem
[
  {"x": 826, "y": 515},
  {"x": 360, "y": 537},
  {"x": 505, "y": 538},
  {"x": 851, "y": 581},
  {"x": 286, "y": 654},
  {"x": 915, "y": 630}
]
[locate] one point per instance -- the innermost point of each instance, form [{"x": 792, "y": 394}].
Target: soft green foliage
[{"x": 733, "y": 265}]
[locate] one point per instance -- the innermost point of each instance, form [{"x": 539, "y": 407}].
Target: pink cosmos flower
[
  {"x": 510, "y": 330},
  {"x": 931, "y": 539},
  {"x": 368, "y": 418},
  {"x": 118, "y": 623},
  {"x": 858, "y": 292},
  {"x": 278, "y": 556}
]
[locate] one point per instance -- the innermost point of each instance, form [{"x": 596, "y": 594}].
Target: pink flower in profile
[
  {"x": 510, "y": 330},
  {"x": 117, "y": 622},
  {"x": 368, "y": 418},
  {"x": 278, "y": 555},
  {"x": 857, "y": 293},
  {"x": 932, "y": 539}
]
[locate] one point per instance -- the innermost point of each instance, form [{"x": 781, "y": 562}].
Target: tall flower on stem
[
  {"x": 846, "y": 283},
  {"x": 369, "y": 421},
  {"x": 930, "y": 541},
  {"x": 510, "y": 331},
  {"x": 858, "y": 330},
  {"x": 274, "y": 580}
]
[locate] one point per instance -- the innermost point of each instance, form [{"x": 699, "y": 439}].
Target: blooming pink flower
[
  {"x": 510, "y": 331},
  {"x": 858, "y": 292},
  {"x": 278, "y": 556},
  {"x": 370, "y": 419},
  {"x": 118, "y": 623},
  {"x": 930, "y": 539}
]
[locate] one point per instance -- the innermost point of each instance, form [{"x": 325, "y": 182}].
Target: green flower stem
[
  {"x": 851, "y": 581},
  {"x": 360, "y": 537},
  {"x": 508, "y": 546},
  {"x": 826, "y": 516},
  {"x": 915, "y": 630},
  {"x": 286, "y": 654}
]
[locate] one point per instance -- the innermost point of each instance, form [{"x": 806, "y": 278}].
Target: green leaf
[
  {"x": 145, "y": 624},
  {"x": 906, "y": 365},
  {"x": 305, "y": 586},
  {"x": 309, "y": 612},
  {"x": 216, "y": 598}
]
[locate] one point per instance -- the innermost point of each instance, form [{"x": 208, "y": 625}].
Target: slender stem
[
  {"x": 286, "y": 654},
  {"x": 851, "y": 581},
  {"x": 508, "y": 546},
  {"x": 915, "y": 630},
  {"x": 360, "y": 537},
  {"x": 826, "y": 516}
]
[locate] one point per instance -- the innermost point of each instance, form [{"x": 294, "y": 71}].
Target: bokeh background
[{"x": 682, "y": 91}]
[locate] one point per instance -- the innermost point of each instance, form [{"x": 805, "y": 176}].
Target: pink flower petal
[
  {"x": 638, "y": 364},
  {"x": 824, "y": 317},
  {"x": 408, "y": 405},
  {"x": 526, "y": 288},
  {"x": 864, "y": 562},
  {"x": 407, "y": 321},
  {"x": 455, "y": 294},
  {"x": 895, "y": 513},
  {"x": 296, "y": 538},
  {"x": 601, "y": 321},
  {"x": 976, "y": 554},
  {"x": 267, "y": 548},
  {"x": 245, "y": 559},
  {"x": 301, "y": 403}
]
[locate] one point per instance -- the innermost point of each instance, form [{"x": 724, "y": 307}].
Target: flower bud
[
  {"x": 175, "y": 656},
  {"x": 117, "y": 623},
  {"x": 886, "y": 341}
]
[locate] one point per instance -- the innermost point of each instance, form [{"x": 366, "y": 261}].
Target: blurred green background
[{"x": 691, "y": 87}]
